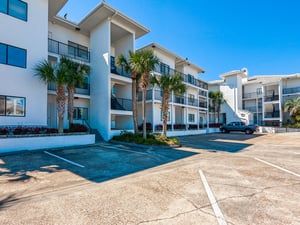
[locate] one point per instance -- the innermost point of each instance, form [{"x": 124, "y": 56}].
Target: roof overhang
[
  {"x": 54, "y": 6},
  {"x": 179, "y": 60},
  {"x": 103, "y": 12}
]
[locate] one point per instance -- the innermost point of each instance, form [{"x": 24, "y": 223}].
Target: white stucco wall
[
  {"x": 62, "y": 34},
  {"x": 100, "y": 79},
  {"x": 30, "y": 35}
]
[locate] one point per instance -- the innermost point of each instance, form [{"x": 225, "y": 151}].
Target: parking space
[{"x": 254, "y": 179}]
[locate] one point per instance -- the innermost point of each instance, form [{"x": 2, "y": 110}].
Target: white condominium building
[
  {"x": 32, "y": 32},
  {"x": 258, "y": 99},
  {"x": 188, "y": 113}
]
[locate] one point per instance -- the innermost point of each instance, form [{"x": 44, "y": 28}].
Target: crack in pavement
[{"x": 197, "y": 208}]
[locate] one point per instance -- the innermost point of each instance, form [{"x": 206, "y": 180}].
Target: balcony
[
  {"x": 270, "y": 115},
  {"x": 82, "y": 89},
  {"x": 293, "y": 90},
  {"x": 165, "y": 69},
  {"x": 271, "y": 98},
  {"x": 121, "y": 104},
  {"x": 116, "y": 69},
  {"x": 251, "y": 95},
  {"x": 60, "y": 48},
  {"x": 253, "y": 109}
]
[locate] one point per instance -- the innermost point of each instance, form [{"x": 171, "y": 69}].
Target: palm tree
[
  {"x": 75, "y": 73},
  {"x": 145, "y": 64},
  {"x": 217, "y": 100},
  {"x": 56, "y": 74},
  {"x": 129, "y": 67},
  {"x": 168, "y": 84},
  {"x": 293, "y": 107}
]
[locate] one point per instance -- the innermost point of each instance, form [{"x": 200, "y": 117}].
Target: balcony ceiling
[{"x": 117, "y": 33}]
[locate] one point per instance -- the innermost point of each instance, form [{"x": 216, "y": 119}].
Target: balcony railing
[
  {"x": 271, "y": 98},
  {"x": 116, "y": 69},
  {"x": 68, "y": 50},
  {"x": 121, "y": 104},
  {"x": 275, "y": 114},
  {"x": 291, "y": 90},
  {"x": 252, "y": 95},
  {"x": 164, "y": 69},
  {"x": 83, "y": 89}
]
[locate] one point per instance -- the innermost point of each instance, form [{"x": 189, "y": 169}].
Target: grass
[{"x": 152, "y": 139}]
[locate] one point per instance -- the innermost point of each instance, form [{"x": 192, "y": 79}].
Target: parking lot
[{"x": 212, "y": 179}]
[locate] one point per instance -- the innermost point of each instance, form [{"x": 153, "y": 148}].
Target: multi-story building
[
  {"x": 32, "y": 31},
  {"x": 257, "y": 99},
  {"x": 188, "y": 113}
]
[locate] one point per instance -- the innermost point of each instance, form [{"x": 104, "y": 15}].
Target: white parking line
[
  {"x": 218, "y": 213},
  {"x": 66, "y": 160},
  {"x": 278, "y": 167}
]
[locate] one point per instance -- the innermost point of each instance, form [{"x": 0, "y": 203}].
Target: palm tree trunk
[
  {"x": 61, "y": 101},
  {"x": 165, "y": 109},
  {"x": 134, "y": 105},
  {"x": 144, "y": 90},
  {"x": 70, "y": 104}
]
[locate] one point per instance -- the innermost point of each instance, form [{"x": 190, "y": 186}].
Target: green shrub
[{"x": 152, "y": 139}]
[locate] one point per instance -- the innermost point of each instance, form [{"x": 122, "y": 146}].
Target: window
[
  {"x": 80, "y": 113},
  {"x": 191, "y": 98},
  {"x": 191, "y": 117},
  {"x": 12, "y": 106},
  {"x": 164, "y": 68},
  {"x": 15, "y": 8},
  {"x": 259, "y": 91},
  {"x": 13, "y": 56},
  {"x": 168, "y": 116}
]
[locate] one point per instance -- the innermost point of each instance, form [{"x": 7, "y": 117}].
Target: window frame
[
  {"x": 7, "y": 56},
  {"x": 191, "y": 116},
  {"x": 76, "y": 113},
  {"x": 5, "y": 106},
  {"x": 8, "y": 8}
]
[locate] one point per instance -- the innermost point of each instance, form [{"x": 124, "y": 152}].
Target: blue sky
[{"x": 217, "y": 35}]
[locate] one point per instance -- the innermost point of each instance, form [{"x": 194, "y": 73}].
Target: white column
[
  {"x": 153, "y": 110},
  {"x": 280, "y": 101}
]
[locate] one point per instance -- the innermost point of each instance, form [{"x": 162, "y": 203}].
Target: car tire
[{"x": 248, "y": 131}]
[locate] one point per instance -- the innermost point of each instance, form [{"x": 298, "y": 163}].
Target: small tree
[
  {"x": 217, "y": 100},
  {"x": 293, "y": 107},
  {"x": 168, "y": 84},
  {"x": 75, "y": 73},
  {"x": 129, "y": 66},
  {"x": 146, "y": 63},
  {"x": 56, "y": 74}
]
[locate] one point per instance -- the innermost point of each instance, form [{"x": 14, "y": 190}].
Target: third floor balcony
[
  {"x": 72, "y": 50},
  {"x": 293, "y": 90}
]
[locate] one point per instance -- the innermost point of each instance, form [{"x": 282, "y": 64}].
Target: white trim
[
  {"x": 278, "y": 167},
  {"x": 66, "y": 160},
  {"x": 218, "y": 213}
]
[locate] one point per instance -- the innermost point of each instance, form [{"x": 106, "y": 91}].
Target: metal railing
[
  {"x": 187, "y": 78},
  {"x": 252, "y": 95},
  {"x": 121, "y": 104},
  {"x": 291, "y": 90},
  {"x": 271, "y": 98},
  {"x": 83, "y": 89},
  {"x": 275, "y": 114},
  {"x": 116, "y": 69},
  {"x": 68, "y": 50}
]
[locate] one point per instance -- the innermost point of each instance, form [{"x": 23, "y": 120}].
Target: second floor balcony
[
  {"x": 293, "y": 90},
  {"x": 81, "y": 89},
  {"x": 271, "y": 115},
  {"x": 77, "y": 52},
  {"x": 271, "y": 98},
  {"x": 177, "y": 99},
  {"x": 121, "y": 104}
]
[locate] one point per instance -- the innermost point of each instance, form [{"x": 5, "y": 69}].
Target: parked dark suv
[{"x": 239, "y": 126}]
